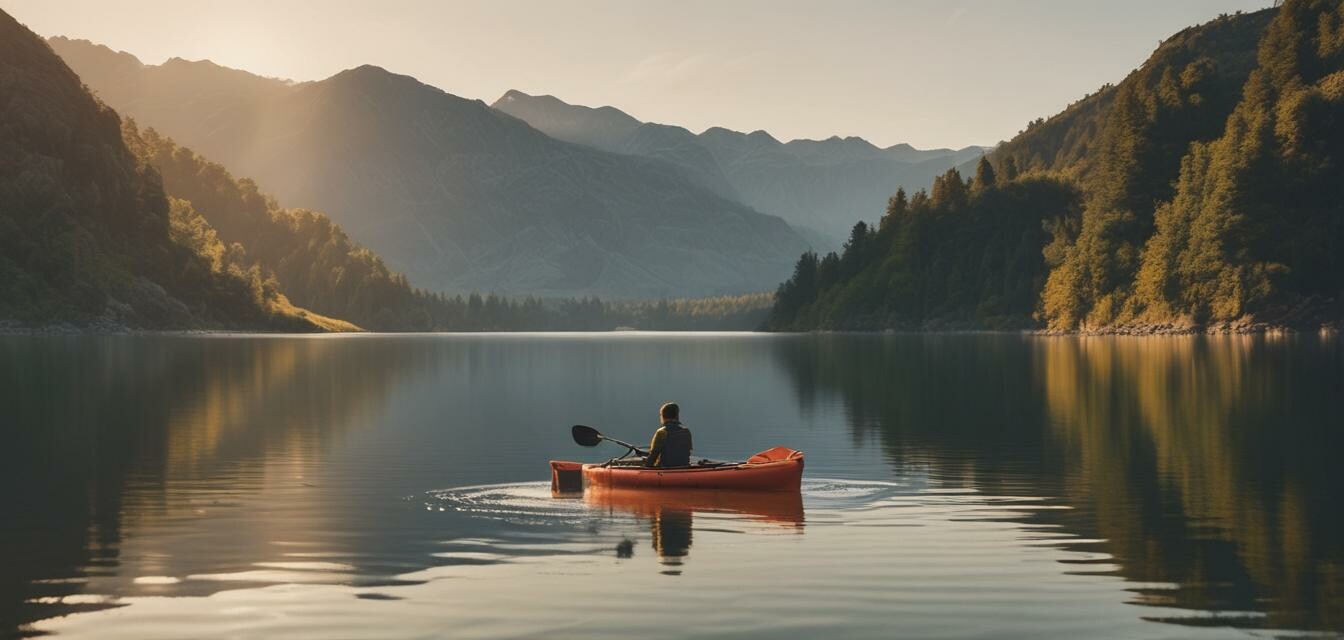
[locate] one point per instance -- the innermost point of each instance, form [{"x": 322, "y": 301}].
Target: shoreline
[{"x": 66, "y": 330}]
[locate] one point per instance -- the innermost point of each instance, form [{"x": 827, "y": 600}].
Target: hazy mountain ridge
[
  {"x": 611, "y": 129},
  {"x": 818, "y": 184},
  {"x": 459, "y": 196}
]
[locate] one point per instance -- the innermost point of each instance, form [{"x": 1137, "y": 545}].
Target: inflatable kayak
[{"x": 777, "y": 469}]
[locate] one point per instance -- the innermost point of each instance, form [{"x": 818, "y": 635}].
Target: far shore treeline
[{"x": 1205, "y": 191}]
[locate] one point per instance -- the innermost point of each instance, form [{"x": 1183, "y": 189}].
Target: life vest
[{"x": 672, "y": 446}]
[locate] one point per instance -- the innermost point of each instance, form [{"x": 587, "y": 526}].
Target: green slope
[{"x": 87, "y": 235}]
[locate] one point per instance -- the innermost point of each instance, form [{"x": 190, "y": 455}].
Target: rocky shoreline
[{"x": 1220, "y": 329}]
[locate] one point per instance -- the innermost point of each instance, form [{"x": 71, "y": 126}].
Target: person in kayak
[{"x": 671, "y": 445}]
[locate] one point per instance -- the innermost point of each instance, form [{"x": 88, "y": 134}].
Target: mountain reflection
[
  {"x": 1205, "y": 467},
  {"x": 99, "y": 431}
]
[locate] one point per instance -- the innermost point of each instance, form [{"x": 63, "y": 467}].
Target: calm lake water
[{"x": 395, "y": 486}]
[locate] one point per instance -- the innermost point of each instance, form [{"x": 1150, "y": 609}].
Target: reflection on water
[
  {"x": 1204, "y": 467},
  {"x": 668, "y": 517},
  {"x": 1221, "y": 453},
  {"x": 105, "y": 434},
  {"x": 956, "y": 485},
  {"x": 671, "y": 516}
]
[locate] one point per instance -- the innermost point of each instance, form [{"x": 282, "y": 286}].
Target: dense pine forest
[{"x": 1202, "y": 192}]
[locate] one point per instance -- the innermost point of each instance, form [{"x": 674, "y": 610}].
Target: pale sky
[{"x": 934, "y": 73}]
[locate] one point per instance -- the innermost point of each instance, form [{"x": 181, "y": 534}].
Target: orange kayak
[{"x": 777, "y": 469}]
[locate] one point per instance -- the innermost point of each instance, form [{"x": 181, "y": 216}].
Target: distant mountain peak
[
  {"x": 88, "y": 50},
  {"x": 81, "y": 42},
  {"x": 375, "y": 77},
  {"x": 203, "y": 63},
  {"x": 835, "y": 141},
  {"x": 512, "y": 94},
  {"x": 365, "y": 71},
  {"x": 761, "y": 135},
  {"x": 515, "y": 99}
]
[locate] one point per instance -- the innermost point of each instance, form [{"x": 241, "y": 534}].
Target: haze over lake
[{"x": 395, "y": 486}]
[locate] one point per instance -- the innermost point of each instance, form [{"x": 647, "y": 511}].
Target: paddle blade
[{"x": 586, "y": 436}]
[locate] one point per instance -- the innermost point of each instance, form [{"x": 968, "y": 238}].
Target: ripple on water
[{"x": 863, "y": 559}]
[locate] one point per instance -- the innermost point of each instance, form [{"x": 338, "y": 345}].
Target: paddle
[{"x": 590, "y": 437}]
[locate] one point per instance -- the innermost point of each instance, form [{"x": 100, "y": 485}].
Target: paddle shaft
[
  {"x": 587, "y": 436},
  {"x": 627, "y": 445}
]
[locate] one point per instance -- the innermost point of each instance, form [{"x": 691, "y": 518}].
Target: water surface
[{"x": 394, "y": 486}]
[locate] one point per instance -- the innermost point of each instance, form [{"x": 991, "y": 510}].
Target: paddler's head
[{"x": 670, "y": 412}]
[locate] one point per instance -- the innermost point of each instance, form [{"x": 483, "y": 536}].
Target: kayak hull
[
  {"x": 784, "y": 508},
  {"x": 778, "y": 469}
]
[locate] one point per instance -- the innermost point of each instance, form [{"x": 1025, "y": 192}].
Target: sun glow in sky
[{"x": 930, "y": 73}]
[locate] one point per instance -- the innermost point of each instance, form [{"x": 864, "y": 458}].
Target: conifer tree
[
  {"x": 984, "y": 174},
  {"x": 897, "y": 206}
]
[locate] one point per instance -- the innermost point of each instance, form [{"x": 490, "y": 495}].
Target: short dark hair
[{"x": 670, "y": 411}]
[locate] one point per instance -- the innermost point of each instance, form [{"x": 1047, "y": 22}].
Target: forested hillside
[
  {"x": 87, "y": 235},
  {"x": 312, "y": 259},
  {"x": 966, "y": 255},
  {"x": 1257, "y": 219},
  {"x": 1202, "y": 192}
]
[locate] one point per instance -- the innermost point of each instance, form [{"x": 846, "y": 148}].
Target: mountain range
[
  {"x": 106, "y": 226},
  {"x": 454, "y": 194},
  {"x": 823, "y": 186}
]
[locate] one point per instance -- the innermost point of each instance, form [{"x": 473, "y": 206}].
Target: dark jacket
[{"x": 671, "y": 446}]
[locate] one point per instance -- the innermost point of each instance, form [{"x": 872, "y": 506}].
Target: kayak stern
[{"x": 566, "y": 477}]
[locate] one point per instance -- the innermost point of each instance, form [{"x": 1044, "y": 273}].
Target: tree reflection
[
  {"x": 97, "y": 427},
  {"x": 1204, "y": 464}
]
